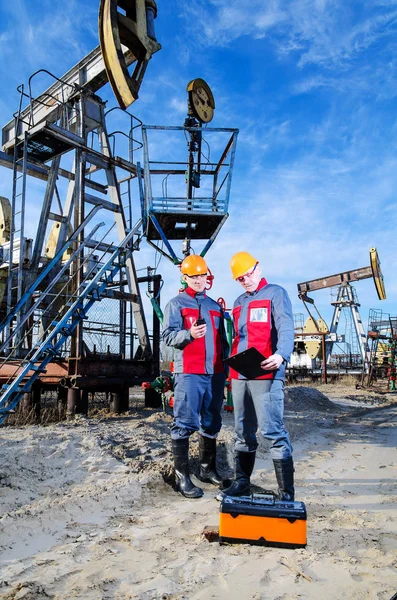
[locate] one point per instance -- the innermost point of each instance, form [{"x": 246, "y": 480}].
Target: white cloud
[
  {"x": 5, "y": 37},
  {"x": 323, "y": 32},
  {"x": 179, "y": 106}
]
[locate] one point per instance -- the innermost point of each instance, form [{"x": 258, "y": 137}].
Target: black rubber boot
[
  {"x": 207, "y": 454},
  {"x": 241, "y": 485},
  {"x": 284, "y": 469},
  {"x": 180, "y": 450}
]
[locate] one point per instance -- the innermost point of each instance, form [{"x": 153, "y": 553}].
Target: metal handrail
[
  {"x": 45, "y": 272},
  {"x": 132, "y": 127},
  {"x": 32, "y": 100},
  {"x": 74, "y": 295},
  {"x": 51, "y": 285},
  {"x": 113, "y": 135}
]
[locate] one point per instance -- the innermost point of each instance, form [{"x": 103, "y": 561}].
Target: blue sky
[{"x": 311, "y": 85}]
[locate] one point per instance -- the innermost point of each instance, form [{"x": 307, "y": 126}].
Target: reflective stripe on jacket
[
  {"x": 203, "y": 355},
  {"x": 263, "y": 319}
]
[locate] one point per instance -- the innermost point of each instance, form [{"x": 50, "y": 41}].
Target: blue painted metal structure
[
  {"x": 47, "y": 349},
  {"x": 178, "y": 217},
  {"x": 28, "y": 294}
]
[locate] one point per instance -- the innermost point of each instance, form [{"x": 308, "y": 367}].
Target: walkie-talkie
[{"x": 200, "y": 320}]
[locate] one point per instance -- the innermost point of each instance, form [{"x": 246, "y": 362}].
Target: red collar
[
  {"x": 261, "y": 285},
  {"x": 192, "y": 293}
]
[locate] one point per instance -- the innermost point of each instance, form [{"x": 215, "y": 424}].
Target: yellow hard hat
[
  {"x": 241, "y": 263},
  {"x": 194, "y": 265}
]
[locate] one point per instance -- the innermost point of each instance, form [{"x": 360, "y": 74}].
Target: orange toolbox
[{"x": 263, "y": 520}]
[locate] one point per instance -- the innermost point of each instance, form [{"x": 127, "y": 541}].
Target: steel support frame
[
  {"x": 346, "y": 298},
  {"x": 75, "y": 202},
  {"x": 121, "y": 226},
  {"x": 145, "y": 185}
]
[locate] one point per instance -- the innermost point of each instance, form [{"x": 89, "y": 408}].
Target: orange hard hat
[
  {"x": 241, "y": 263},
  {"x": 194, "y": 265}
]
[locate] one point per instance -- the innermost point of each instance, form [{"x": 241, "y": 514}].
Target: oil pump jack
[
  {"x": 316, "y": 334},
  {"x": 82, "y": 254}
]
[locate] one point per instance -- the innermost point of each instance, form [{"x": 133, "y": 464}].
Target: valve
[
  {"x": 210, "y": 280},
  {"x": 160, "y": 384}
]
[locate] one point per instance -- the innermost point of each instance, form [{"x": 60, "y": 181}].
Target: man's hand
[
  {"x": 198, "y": 331},
  {"x": 272, "y": 363}
]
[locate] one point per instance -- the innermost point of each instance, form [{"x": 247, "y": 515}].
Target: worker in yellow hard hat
[
  {"x": 263, "y": 319},
  {"x": 194, "y": 327}
]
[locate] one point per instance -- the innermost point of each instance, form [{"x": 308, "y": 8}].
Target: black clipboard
[{"x": 248, "y": 363}]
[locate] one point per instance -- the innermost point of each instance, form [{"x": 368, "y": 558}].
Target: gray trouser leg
[{"x": 259, "y": 404}]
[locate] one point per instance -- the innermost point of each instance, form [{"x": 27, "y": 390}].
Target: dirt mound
[
  {"x": 302, "y": 398},
  {"x": 143, "y": 444}
]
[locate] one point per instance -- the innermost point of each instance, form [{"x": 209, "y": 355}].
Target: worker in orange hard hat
[
  {"x": 194, "y": 327},
  {"x": 263, "y": 319}
]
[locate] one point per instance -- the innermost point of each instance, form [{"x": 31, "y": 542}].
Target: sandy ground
[{"x": 88, "y": 509}]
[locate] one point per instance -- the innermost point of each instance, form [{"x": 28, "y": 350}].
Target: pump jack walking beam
[{"x": 373, "y": 270}]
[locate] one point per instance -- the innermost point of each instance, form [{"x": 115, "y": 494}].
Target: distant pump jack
[{"x": 346, "y": 299}]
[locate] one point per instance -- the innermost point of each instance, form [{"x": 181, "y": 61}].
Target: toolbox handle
[{"x": 268, "y": 496}]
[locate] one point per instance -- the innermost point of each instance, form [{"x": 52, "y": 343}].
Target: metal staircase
[
  {"x": 27, "y": 300},
  {"x": 48, "y": 347},
  {"x": 17, "y": 243}
]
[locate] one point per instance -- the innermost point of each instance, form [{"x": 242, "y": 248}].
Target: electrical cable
[{"x": 207, "y": 158}]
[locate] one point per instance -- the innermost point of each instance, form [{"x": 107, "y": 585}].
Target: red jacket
[
  {"x": 263, "y": 319},
  {"x": 203, "y": 355}
]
